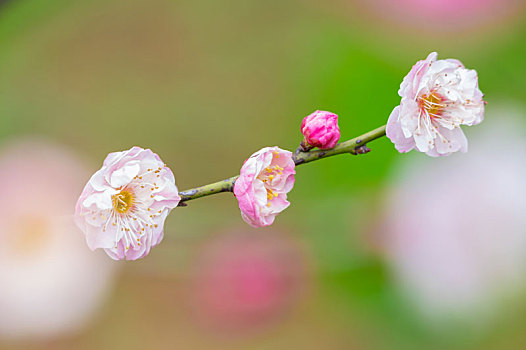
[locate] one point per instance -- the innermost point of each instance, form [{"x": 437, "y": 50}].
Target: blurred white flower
[
  {"x": 50, "y": 282},
  {"x": 455, "y": 229}
]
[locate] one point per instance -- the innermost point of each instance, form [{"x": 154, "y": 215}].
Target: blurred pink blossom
[
  {"x": 454, "y": 230},
  {"x": 245, "y": 281},
  {"x": 320, "y": 129},
  {"x": 124, "y": 205},
  {"x": 437, "y": 97},
  {"x": 51, "y": 284},
  {"x": 437, "y": 16},
  {"x": 261, "y": 189}
]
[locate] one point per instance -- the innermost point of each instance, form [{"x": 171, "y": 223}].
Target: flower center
[
  {"x": 270, "y": 172},
  {"x": 123, "y": 201},
  {"x": 267, "y": 175},
  {"x": 433, "y": 104}
]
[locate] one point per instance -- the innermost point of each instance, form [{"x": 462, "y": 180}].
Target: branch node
[
  {"x": 304, "y": 147},
  {"x": 299, "y": 161},
  {"x": 363, "y": 149}
]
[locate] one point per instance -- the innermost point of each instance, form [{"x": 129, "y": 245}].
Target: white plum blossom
[
  {"x": 437, "y": 97},
  {"x": 123, "y": 207}
]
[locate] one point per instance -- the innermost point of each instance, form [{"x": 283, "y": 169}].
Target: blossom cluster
[{"x": 124, "y": 205}]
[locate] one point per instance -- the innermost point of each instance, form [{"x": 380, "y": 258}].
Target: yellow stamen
[
  {"x": 123, "y": 201},
  {"x": 433, "y": 103}
]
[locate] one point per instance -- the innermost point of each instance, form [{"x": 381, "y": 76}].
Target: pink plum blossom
[
  {"x": 321, "y": 130},
  {"x": 123, "y": 207},
  {"x": 261, "y": 189},
  {"x": 437, "y": 97}
]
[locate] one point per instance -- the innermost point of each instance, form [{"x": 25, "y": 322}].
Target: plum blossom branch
[
  {"x": 123, "y": 206},
  {"x": 353, "y": 146},
  {"x": 226, "y": 185}
]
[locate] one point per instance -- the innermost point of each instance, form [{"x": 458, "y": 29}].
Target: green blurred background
[{"x": 206, "y": 83}]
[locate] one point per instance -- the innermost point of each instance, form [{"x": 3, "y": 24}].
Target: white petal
[
  {"x": 102, "y": 200},
  {"x": 424, "y": 141},
  {"x": 395, "y": 134},
  {"x": 409, "y": 114},
  {"x": 124, "y": 175}
]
